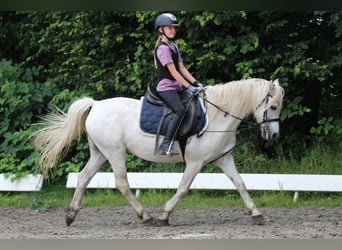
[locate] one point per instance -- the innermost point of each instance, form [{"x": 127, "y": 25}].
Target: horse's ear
[{"x": 276, "y": 82}]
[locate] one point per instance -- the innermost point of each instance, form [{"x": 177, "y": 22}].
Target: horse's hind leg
[
  {"x": 228, "y": 166},
  {"x": 117, "y": 162},
  {"x": 93, "y": 165}
]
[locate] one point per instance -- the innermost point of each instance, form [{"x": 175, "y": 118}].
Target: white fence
[
  {"x": 280, "y": 182},
  {"x": 274, "y": 182},
  {"x": 213, "y": 181},
  {"x": 27, "y": 183}
]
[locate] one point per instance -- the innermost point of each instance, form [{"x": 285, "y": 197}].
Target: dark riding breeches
[{"x": 173, "y": 100}]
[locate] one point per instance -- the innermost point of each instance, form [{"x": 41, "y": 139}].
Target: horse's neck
[{"x": 235, "y": 100}]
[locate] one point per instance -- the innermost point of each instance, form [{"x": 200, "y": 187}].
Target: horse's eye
[{"x": 274, "y": 107}]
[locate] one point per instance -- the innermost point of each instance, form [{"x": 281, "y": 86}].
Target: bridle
[{"x": 265, "y": 115}]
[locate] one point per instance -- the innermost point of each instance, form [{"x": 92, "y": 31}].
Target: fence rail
[
  {"x": 271, "y": 182},
  {"x": 205, "y": 181},
  {"x": 27, "y": 183},
  {"x": 218, "y": 181}
]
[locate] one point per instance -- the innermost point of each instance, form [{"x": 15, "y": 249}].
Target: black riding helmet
[{"x": 165, "y": 19}]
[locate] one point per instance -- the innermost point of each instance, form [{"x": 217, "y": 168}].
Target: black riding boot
[{"x": 166, "y": 147}]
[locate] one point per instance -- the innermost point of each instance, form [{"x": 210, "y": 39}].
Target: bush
[{"x": 22, "y": 98}]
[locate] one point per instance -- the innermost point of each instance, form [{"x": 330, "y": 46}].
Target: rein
[{"x": 223, "y": 111}]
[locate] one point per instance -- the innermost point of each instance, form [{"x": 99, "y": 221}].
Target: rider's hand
[
  {"x": 193, "y": 90},
  {"x": 198, "y": 84}
]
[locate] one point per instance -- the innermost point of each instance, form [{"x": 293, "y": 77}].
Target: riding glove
[
  {"x": 193, "y": 90},
  {"x": 198, "y": 84}
]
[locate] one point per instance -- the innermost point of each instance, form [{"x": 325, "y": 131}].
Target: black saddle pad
[{"x": 151, "y": 117}]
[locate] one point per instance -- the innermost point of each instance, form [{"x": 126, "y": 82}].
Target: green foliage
[
  {"x": 320, "y": 157},
  {"x": 293, "y": 108},
  {"x": 55, "y": 57},
  {"x": 134, "y": 163},
  {"x": 328, "y": 126},
  {"x": 22, "y": 98}
]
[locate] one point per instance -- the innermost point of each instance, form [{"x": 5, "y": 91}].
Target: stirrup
[{"x": 169, "y": 151}]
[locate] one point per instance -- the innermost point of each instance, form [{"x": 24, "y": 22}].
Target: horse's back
[
  {"x": 114, "y": 106},
  {"x": 112, "y": 114}
]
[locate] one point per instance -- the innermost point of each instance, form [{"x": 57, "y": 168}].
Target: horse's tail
[{"x": 59, "y": 129}]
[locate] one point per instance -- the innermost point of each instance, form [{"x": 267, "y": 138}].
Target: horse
[{"x": 112, "y": 130}]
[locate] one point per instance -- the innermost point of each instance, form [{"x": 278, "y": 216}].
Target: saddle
[
  {"x": 190, "y": 118},
  {"x": 155, "y": 115}
]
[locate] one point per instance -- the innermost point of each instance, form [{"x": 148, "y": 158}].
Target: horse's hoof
[
  {"x": 163, "y": 222},
  {"x": 258, "y": 219},
  {"x": 68, "y": 220},
  {"x": 149, "y": 222},
  {"x": 70, "y": 215}
]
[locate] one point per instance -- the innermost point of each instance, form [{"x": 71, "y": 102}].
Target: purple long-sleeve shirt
[{"x": 165, "y": 57}]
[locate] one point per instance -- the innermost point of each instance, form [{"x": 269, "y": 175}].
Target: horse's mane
[{"x": 241, "y": 97}]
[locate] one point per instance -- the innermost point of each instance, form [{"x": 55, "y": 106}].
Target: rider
[{"x": 172, "y": 75}]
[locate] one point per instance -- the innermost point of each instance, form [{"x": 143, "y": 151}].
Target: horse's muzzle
[{"x": 268, "y": 133}]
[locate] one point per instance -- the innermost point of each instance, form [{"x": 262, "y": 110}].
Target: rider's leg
[{"x": 172, "y": 99}]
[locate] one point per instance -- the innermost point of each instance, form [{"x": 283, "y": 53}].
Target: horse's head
[{"x": 268, "y": 111}]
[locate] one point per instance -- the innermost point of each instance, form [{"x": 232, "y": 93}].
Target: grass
[
  {"x": 59, "y": 196},
  {"x": 318, "y": 159}
]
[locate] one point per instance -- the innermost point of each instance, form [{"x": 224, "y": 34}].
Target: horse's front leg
[
  {"x": 228, "y": 166},
  {"x": 191, "y": 170}
]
